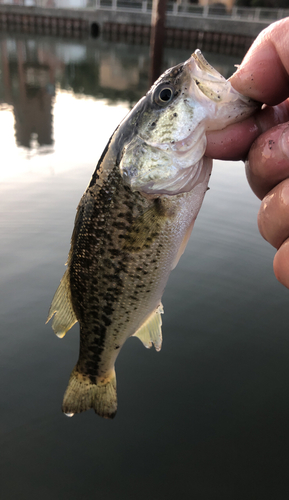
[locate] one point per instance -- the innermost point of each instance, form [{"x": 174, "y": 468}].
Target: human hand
[{"x": 264, "y": 76}]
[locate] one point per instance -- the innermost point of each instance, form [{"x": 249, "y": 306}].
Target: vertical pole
[
  {"x": 206, "y": 10},
  {"x": 234, "y": 13},
  {"x": 257, "y": 14},
  {"x": 144, "y": 6},
  {"x": 157, "y": 38},
  {"x": 6, "y": 72}
]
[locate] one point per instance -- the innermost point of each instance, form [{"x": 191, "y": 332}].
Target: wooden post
[{"x": 157, "y": 38}]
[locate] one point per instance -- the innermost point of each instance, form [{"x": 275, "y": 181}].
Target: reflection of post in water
[
  {"x": 29, "y": 88},
  {"x": 157, "y": 38},
  {"x": 6, "y": 98},
  {"x": 33, "y": 111}
]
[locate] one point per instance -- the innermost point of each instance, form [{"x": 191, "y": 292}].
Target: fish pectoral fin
[
  {"x": 151, "y": 332},
  {"x": 61, "y": 306}
]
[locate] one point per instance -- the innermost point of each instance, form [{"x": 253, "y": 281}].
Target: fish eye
[{"x": 164, "y": 95}]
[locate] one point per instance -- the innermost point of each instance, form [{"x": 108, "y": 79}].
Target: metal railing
[{"x": 178, "y": 9}]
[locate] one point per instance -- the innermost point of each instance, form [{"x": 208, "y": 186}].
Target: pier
[{"x": 121, "y": 20}]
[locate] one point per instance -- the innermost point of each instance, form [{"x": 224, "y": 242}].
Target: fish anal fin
[
  {"x": 61, "y": 306},
  {"x": 82, "y": 394},
  {"x": 151, "y": 332},
  {"x": 183, "y": 245}
]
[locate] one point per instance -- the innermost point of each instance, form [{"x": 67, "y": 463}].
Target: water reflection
[
  {"x": 29, "y": 86},
  {"x": 207, "y": 417},
  {"x": 32, "y": 69}
]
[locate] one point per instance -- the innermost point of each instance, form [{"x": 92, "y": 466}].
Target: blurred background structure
[
  {"x": 221, "y": 4},
  {"x": 246, "y": 17}
]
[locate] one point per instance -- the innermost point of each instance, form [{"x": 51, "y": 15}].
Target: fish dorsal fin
[
  {"x": 61, "y": 306},
  {"x": 151, "y": 332}
]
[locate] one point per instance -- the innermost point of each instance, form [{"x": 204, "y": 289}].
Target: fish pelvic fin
[
  {"x": 83, "y": 394},
  {"x": 150, "y": 331},
  {"x": 61, "y": 306}
]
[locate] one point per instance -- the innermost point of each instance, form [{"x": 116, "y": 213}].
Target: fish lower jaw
[
  {"x": 196, "y": 139},
  {"x": 183, "y": 182},
  {"x": 186, "y": 151}
]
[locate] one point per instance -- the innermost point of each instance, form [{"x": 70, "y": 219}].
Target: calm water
[{"x": 207, "y": 417}]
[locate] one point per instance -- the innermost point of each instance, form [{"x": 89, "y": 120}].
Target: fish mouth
[
  {"x": 186, "y": 145},
  {"x": 183, "y": 181},
  {"x": 216, "y": 104},
  {"x": 207, "y": 101},
  {"x": 200, "y": 68},
  {"x": 200, "y": 76}
]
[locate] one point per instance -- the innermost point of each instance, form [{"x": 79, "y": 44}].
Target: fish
[{"x": 134, "y": 221}]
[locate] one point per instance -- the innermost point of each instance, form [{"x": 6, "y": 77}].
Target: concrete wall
[{"x": 101, "y": 16}]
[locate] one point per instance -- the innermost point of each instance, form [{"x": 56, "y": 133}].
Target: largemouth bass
[{"x": 134, "y": 221}]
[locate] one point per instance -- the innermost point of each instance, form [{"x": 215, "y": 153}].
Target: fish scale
[{"x": 134, "y": 221}]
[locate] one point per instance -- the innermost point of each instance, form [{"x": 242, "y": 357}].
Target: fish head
[{"x": 163, "y": 155}]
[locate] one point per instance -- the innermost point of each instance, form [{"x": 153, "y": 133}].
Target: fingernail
[{"x": 284, "y": 142}]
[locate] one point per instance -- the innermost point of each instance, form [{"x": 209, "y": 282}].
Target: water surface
[{"x": 207, "y": 417}]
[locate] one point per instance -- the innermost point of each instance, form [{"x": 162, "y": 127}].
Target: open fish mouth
[
  {"x": 196, "y": 98},
  {"x": 212, "y": 98}
]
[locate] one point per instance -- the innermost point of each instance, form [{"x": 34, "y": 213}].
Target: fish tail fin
[{"x": 82, "y": 394}]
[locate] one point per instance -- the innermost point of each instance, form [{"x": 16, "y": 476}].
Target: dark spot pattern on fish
[{"x": 99, "y": 264}]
